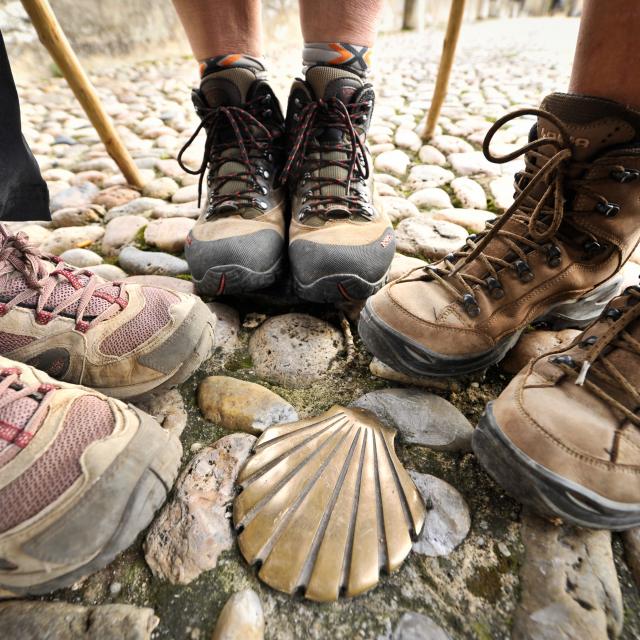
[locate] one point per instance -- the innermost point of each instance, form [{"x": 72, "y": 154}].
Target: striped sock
[
  {"x": 230, "y": 61},
  {"x": 351, "y": 57}
]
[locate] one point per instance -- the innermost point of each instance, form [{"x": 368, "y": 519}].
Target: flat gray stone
[
  {"x": 569, "y": 583},
  {"x": 109, "y": 272},
  {"x": 81, "y": 258},
  {"x": 62, "y": 621},
  {"x": 448, "y": 519},
  {"x": 424, "y": 237},
  {"x": 295, "y": 350},
  {"x": 420, "y": 417},
  {"x": 138, "y": 207},
  {"x": 226, "y": 339},
  {"x": 60, "y": 240},
  {"x": 167, "y": 407},
  {"x": 120, "y": 232},
  {"x": 135, "y": 261},
  {"x": 77, "y": 196},
  {"x": 416, "y": 626},
  {"x": 193, "y": 529}
]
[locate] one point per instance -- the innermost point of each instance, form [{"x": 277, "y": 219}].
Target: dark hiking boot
[
  {"x": 237, "y": 244},
  {"x": 340, "y": 244}
]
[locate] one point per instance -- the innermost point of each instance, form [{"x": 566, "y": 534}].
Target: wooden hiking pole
[
  {"x": 53, "y": 38},
  {"x": 456, "y": 14}
]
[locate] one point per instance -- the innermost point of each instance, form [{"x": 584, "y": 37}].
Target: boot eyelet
[
  {"x": 450, "y": 257},
  {"x": 297, "y": 102},
  {"x": 470, "y": 305},
  {"x": 564, "y": 359},
  {"x": 523, "y": 270},
  {"x": 261, "y": 204},
  {"x": 495, "y": 288},
  {"x": 588, "y": 342},
  {"x": 553, "y": 253},
  {"x": 267, "y": 113},
  {"x": 613, "y": 314},
  {"x": 593, "y": 247},
  {"x": 625, "y": 175},
  {"x": 608, "y": 209},
  {"x": 473, "y": 237}
]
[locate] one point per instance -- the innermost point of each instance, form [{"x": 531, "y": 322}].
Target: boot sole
[
  {"x": 233, "y": 279},
  {"x": 163, "y": 452},
  {"x": 339, "y": 287},
  {"x": 542, "y": 490},
  {"x": 414, "y": 359}
]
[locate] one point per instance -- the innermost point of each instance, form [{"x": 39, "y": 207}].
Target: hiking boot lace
[
  {"x": 330, "y": 114},
  {"x": 596, "y": 366},
  {"x": 252, "y": 139},
  {"x": 10, "y": 379},
  {"x": 18, "y": 254},
  {"x": 541, "y": 215}
]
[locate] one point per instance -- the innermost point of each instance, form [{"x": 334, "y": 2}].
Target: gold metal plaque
[{"x": 325, "y": 504}]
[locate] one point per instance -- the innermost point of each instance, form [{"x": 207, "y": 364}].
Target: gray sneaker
[{"x": 237, "y": 243}]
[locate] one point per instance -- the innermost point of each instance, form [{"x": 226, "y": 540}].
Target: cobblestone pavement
[{"x": 483, "y": 569}]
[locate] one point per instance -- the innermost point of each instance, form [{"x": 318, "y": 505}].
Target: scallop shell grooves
[{"x": 325, "y": 505}]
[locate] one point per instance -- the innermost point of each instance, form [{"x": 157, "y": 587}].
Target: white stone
[
  {"x": 241, "y": 618},
  {"x": 428, "y": 154},
  {"x": 474, "y": 220},
  {"x": 473, "y": 163},
  {"x": 397, "y": 208},
  {"x": 450, "y": 144},
  {"x": 470, "y": 194},
  {"x": 407, "y": 139},
  {"x": 394, "y": 162},
  {"x": 431, "y": 198},
  {"x": 502, "y": 191},
  {"x": 423, "y": 176}
]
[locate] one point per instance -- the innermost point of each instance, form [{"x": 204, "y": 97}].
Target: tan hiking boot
[
  {"x": 551, "y": 256},
  {"x": 340, "y": 244},
  {"x": 237, "y": 244},
  {"x": 124, "y": 339},
  {"x": 80, "y": 476},
  {"x": 564, "y": 436}
]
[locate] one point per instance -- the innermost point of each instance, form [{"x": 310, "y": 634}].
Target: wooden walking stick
[
  {"x": 456, "y": 14},
  {"x": 53, "y": 38}
]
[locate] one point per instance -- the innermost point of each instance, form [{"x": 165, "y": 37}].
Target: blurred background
[{"x": 129, "y": 29}]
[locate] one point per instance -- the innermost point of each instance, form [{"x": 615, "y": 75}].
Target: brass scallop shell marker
[{"x": 326, "y": 504}]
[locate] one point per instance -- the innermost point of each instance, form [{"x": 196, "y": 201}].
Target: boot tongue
[
  {"x": 594, "y": 124},
  {"x": 333, "y": 82},
  {"x": 228, "y": 87}
]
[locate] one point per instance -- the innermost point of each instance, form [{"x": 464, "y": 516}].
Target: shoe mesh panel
[
  {"x": 11, "y": 341},
  {"x": 89, "y": 419},
  {"x": 151, "y": 319},
  {"x": 61, "y": 292}
]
